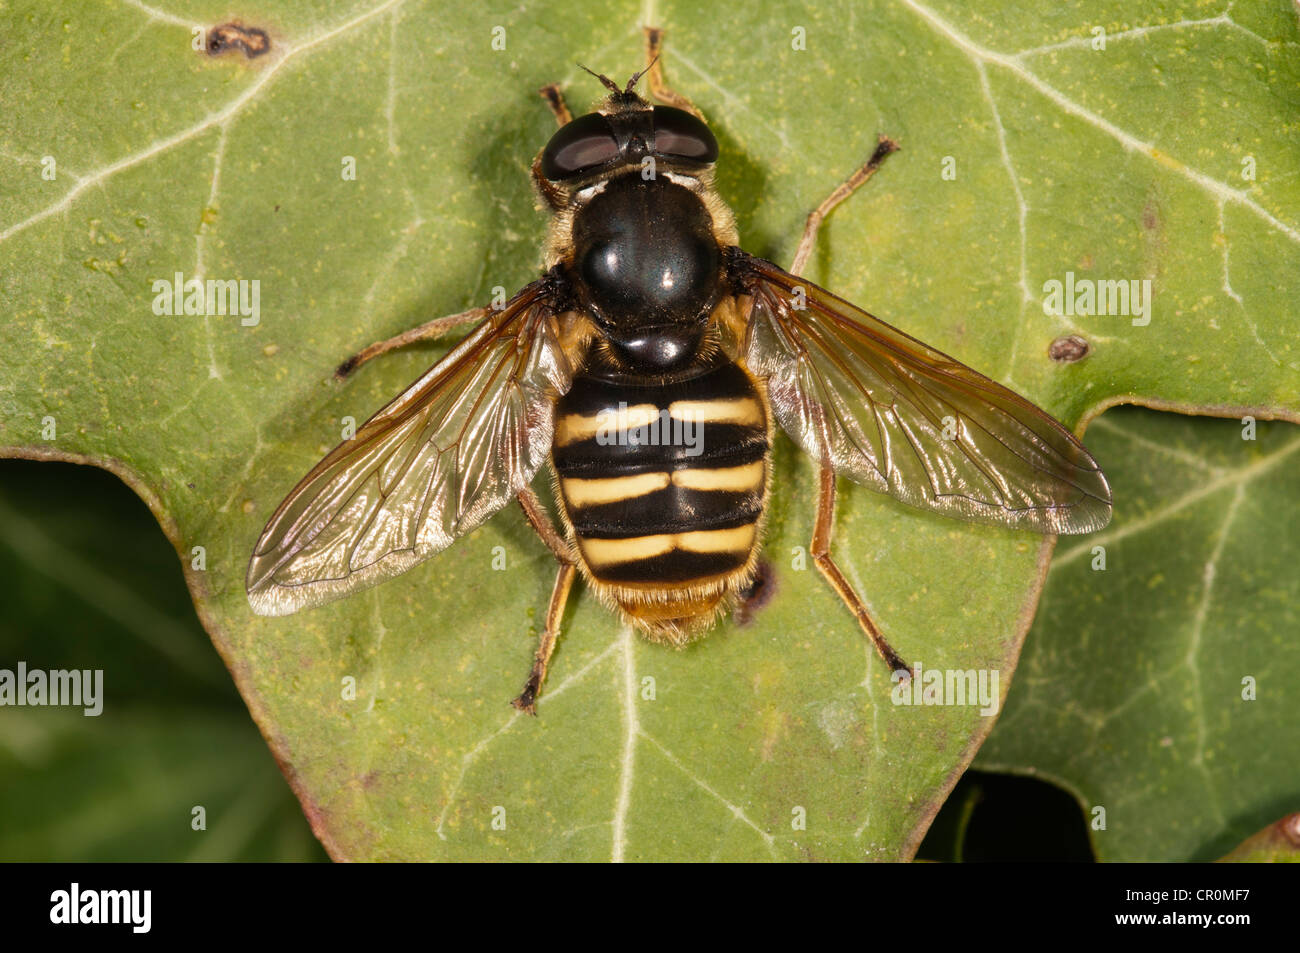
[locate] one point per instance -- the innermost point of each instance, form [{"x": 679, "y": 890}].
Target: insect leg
[
  {"x": 842, "y": 191},
  {"x": 552, "y": 196},
  {"x": 542, "y": 525},
  {"x": 527, "y": 700},
  {"x": 425, "y": 332},
  {"x": 820, "y": 550},
  {"x": 654, "y": 71},
  {"x": 823, "y": 528},
  {"x": 555, "y": 99}
]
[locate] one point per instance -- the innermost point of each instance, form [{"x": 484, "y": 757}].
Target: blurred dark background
[{"x": 90, "y": 582}]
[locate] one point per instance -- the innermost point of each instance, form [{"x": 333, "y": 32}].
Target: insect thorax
[{"x": 647, "y": 267}]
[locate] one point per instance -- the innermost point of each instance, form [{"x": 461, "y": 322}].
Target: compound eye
[
  {"x": 679, "y": 134},
  {"x": 583, "y": 144}
]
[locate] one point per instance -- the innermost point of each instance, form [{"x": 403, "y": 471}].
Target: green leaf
[
  {"x": 1162, "y": 688},
  {"x": 1117, "y": 164}
]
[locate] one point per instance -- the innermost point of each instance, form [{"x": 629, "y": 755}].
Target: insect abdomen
[{"x": 664, "y": 486}]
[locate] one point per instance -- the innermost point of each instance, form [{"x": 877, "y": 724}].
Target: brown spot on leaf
[
  {"x": 252, "y": 41},
  {"x": 1068, "y": 349},
  {"x": 1154, "y": 243},
  {"x": 1150, "y": 216}
]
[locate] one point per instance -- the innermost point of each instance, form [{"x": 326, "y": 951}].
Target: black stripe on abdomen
[{"x": 670, "y": 510}]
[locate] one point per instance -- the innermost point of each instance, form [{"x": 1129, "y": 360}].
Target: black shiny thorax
[{"x": 647, "y": 267}]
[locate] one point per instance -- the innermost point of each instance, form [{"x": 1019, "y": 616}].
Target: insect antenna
[
  {"x": 636, "y": 77},
  {"x": 605, "y": 80}
]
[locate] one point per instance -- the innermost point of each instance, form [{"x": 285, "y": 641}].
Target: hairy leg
[
  {"x": 820, "y": 550},
  {"x": 824, "y": 527},
  {"x": 425, "y": 332},
  {"x": 842, "y": 191},
  {"x": 555, "y": 99},
  {"x": 541, "y": 523},
  {"x": 654, "y": 73}
]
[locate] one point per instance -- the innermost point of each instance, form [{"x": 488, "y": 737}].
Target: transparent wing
[
  {"x": 428, "y": 468},
  {"x": 892, "y": 413}
]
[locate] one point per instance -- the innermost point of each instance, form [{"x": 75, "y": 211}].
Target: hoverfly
[{"x": 648, "y": 364}]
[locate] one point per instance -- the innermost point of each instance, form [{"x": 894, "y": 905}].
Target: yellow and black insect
[{"x": 649, "y": 364}]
